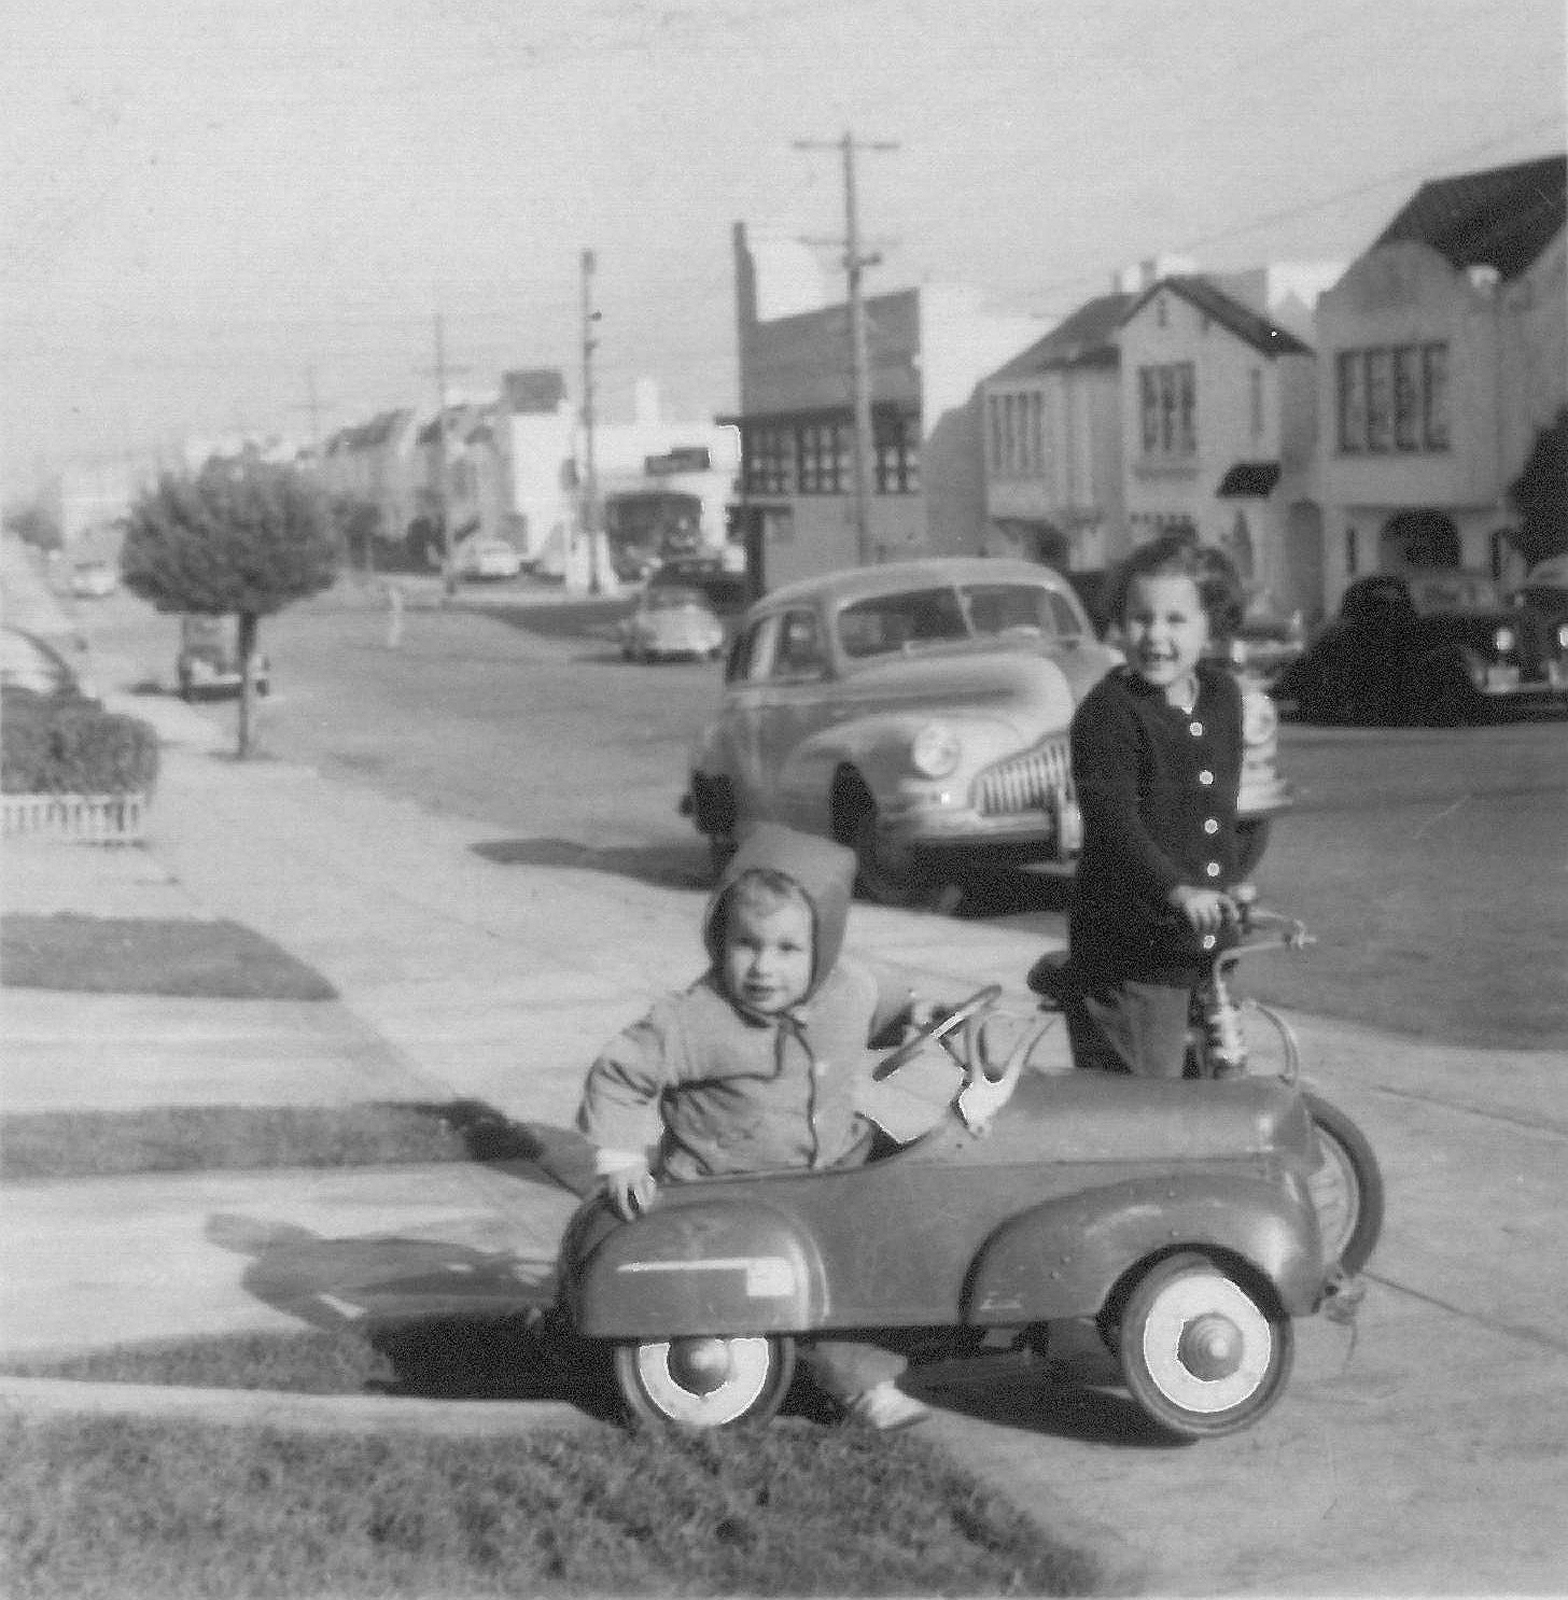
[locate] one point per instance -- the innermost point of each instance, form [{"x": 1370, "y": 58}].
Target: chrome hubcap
[{"x": 1206, "y": 1344}]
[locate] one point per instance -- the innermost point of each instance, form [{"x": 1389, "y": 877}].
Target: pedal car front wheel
[
  {"x": 704, "y": 1382},
  {"x": 1200, "y": 1355}
]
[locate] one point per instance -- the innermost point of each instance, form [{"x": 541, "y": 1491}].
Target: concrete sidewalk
[{"x": 460, "y": 978}]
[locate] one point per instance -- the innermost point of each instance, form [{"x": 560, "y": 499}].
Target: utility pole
[
  {"x": 855, "y": 263},
  {"x": 441, "y": 372},
  {"x": 589, "y": 513},
  {"x": 443, "y": 510}
]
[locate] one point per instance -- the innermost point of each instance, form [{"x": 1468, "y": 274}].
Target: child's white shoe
[{"x": 886, "y": 1407}]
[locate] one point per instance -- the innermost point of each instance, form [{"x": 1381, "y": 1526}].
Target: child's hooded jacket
[{"x": 724, "y": 1090}]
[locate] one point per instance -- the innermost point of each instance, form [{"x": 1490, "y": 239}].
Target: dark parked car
[
  {"x": 1546, "y": 590},
  {"x": 1434, "y": 648},
  {"x": 208, "y": 664}
]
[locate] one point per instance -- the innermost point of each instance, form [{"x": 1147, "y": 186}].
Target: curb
[{"x": 51, "y": 1398}]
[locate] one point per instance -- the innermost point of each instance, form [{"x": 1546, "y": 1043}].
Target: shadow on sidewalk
[{"x": 671, "y": 866}]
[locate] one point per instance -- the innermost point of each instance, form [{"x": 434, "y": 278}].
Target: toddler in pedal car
[{"x": 755, "y": 1066}]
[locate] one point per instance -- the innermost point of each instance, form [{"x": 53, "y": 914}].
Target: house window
[
  {"x": 1434, "y": 396},
  {"x": 1380, "y": 400},
  {"x": 993, "y": 405},
  {"x": 1392, "y": 398},
  {"x": 826, "y": 458},
  {"x": 1352, "y": 553},
  {"x": 1168, "y": 402},
  {"x": 1407, "y": 387},
  {"x": 897, "y": 455},
  {"x": 768, "y": 465}
]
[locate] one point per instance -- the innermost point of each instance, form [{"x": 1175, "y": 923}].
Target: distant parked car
[
  {"x": 93, "y": 580},
  {"x": 1266, "y": 639},
  {"x": 1434, "y": 647},
  {"x": 671, "y": 622},
  {"x": 35, "y": 666},
  {"x": 208, "y": 665},
  {"x": 482, "y": 559},
  {"x": 1545, "y": 589},
  {"x": 918, "y": 712}
]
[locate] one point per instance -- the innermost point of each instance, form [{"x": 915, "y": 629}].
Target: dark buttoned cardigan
[{"x": 1157, "y": 787}]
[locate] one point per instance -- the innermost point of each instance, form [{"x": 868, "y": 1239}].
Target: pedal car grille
[{"x": 1028, "y": 782}]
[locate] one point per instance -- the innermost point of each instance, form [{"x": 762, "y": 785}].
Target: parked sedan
[
  {"x": 1435, "y": 648},
  {"x": 671, "y": 623},
  {"x": 1545, "y": 589},
  {"x": 93, "y": 580},
  {"x": 919, "y": 712},
  {"x": 208, "y": 664},
  {"x": 488, "y": 558}
]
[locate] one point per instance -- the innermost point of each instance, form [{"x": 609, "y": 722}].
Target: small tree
[
  {"x": 239, "y": 537},
  {"x": 1540, "y": 495}
]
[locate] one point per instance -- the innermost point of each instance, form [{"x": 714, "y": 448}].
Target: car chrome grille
[{"x": 1030, "y": 782}]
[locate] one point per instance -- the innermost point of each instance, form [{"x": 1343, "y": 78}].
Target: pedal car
[{"x": 1174, "y": 1215}]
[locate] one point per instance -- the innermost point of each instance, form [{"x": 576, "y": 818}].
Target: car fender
[
  {"x": 877, "y": 749},
  {"x": 1064, "y": 1258},
  {"x": 718, "y": 1266},
  {"x": 998, "y": 703}
]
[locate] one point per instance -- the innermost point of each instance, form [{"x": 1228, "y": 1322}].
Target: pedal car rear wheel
[
  {"x": 1346, "y": 1188},
  {"x": 1199, "y": 1353},
  {"x": 704, "y": 1382}
]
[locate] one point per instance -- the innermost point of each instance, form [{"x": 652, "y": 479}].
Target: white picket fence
[{"x": 89, "y": 818}]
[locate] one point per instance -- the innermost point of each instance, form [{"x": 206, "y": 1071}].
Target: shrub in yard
[{"x": 61, "y": 744}]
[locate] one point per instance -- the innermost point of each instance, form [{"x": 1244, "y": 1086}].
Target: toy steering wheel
[{"x": 941, "y": 1031}]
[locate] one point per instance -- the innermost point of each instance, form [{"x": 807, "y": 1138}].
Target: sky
[{"x": 221, "y": 215}]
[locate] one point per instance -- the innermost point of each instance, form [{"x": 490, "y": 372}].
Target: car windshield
[
  {"x": 672, "y": 599},
  {"x": 917, "y": 619}
]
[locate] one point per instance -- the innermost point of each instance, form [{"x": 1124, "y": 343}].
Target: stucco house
[
  {"x": 1052, "y": 444},
  {"x": 1218, "y": 428},
  {"x": 1444, "y": 350},
  {"x": 927, "y": 349}
]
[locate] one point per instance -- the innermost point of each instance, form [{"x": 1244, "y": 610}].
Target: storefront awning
[{"x": 1249, "y": 480}]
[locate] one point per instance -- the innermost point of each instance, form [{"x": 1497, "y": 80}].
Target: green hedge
[{"x": 61, "y": 744}]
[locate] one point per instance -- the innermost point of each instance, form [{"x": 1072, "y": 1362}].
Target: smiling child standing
[{"x": 1156, "y": 760}]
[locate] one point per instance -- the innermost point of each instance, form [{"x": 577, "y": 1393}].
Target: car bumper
[{"x": 1035, "y": 833}]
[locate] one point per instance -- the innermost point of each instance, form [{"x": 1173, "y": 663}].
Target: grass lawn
[
  {"x": 197, "y": 960},
  {"x": 99, "y": 1144},
  {"x": 142, "y": 1507}
]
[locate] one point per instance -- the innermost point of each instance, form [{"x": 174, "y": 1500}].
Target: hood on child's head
[{"x": 825, "y": 872}]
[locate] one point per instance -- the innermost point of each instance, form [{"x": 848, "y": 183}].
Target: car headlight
[
  {"x": 1562, "y": 635},
  {"x": 1503, "y": 641},
  {"x": 1259, "y": 719},
  {"x": 935, "y": 750}
]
